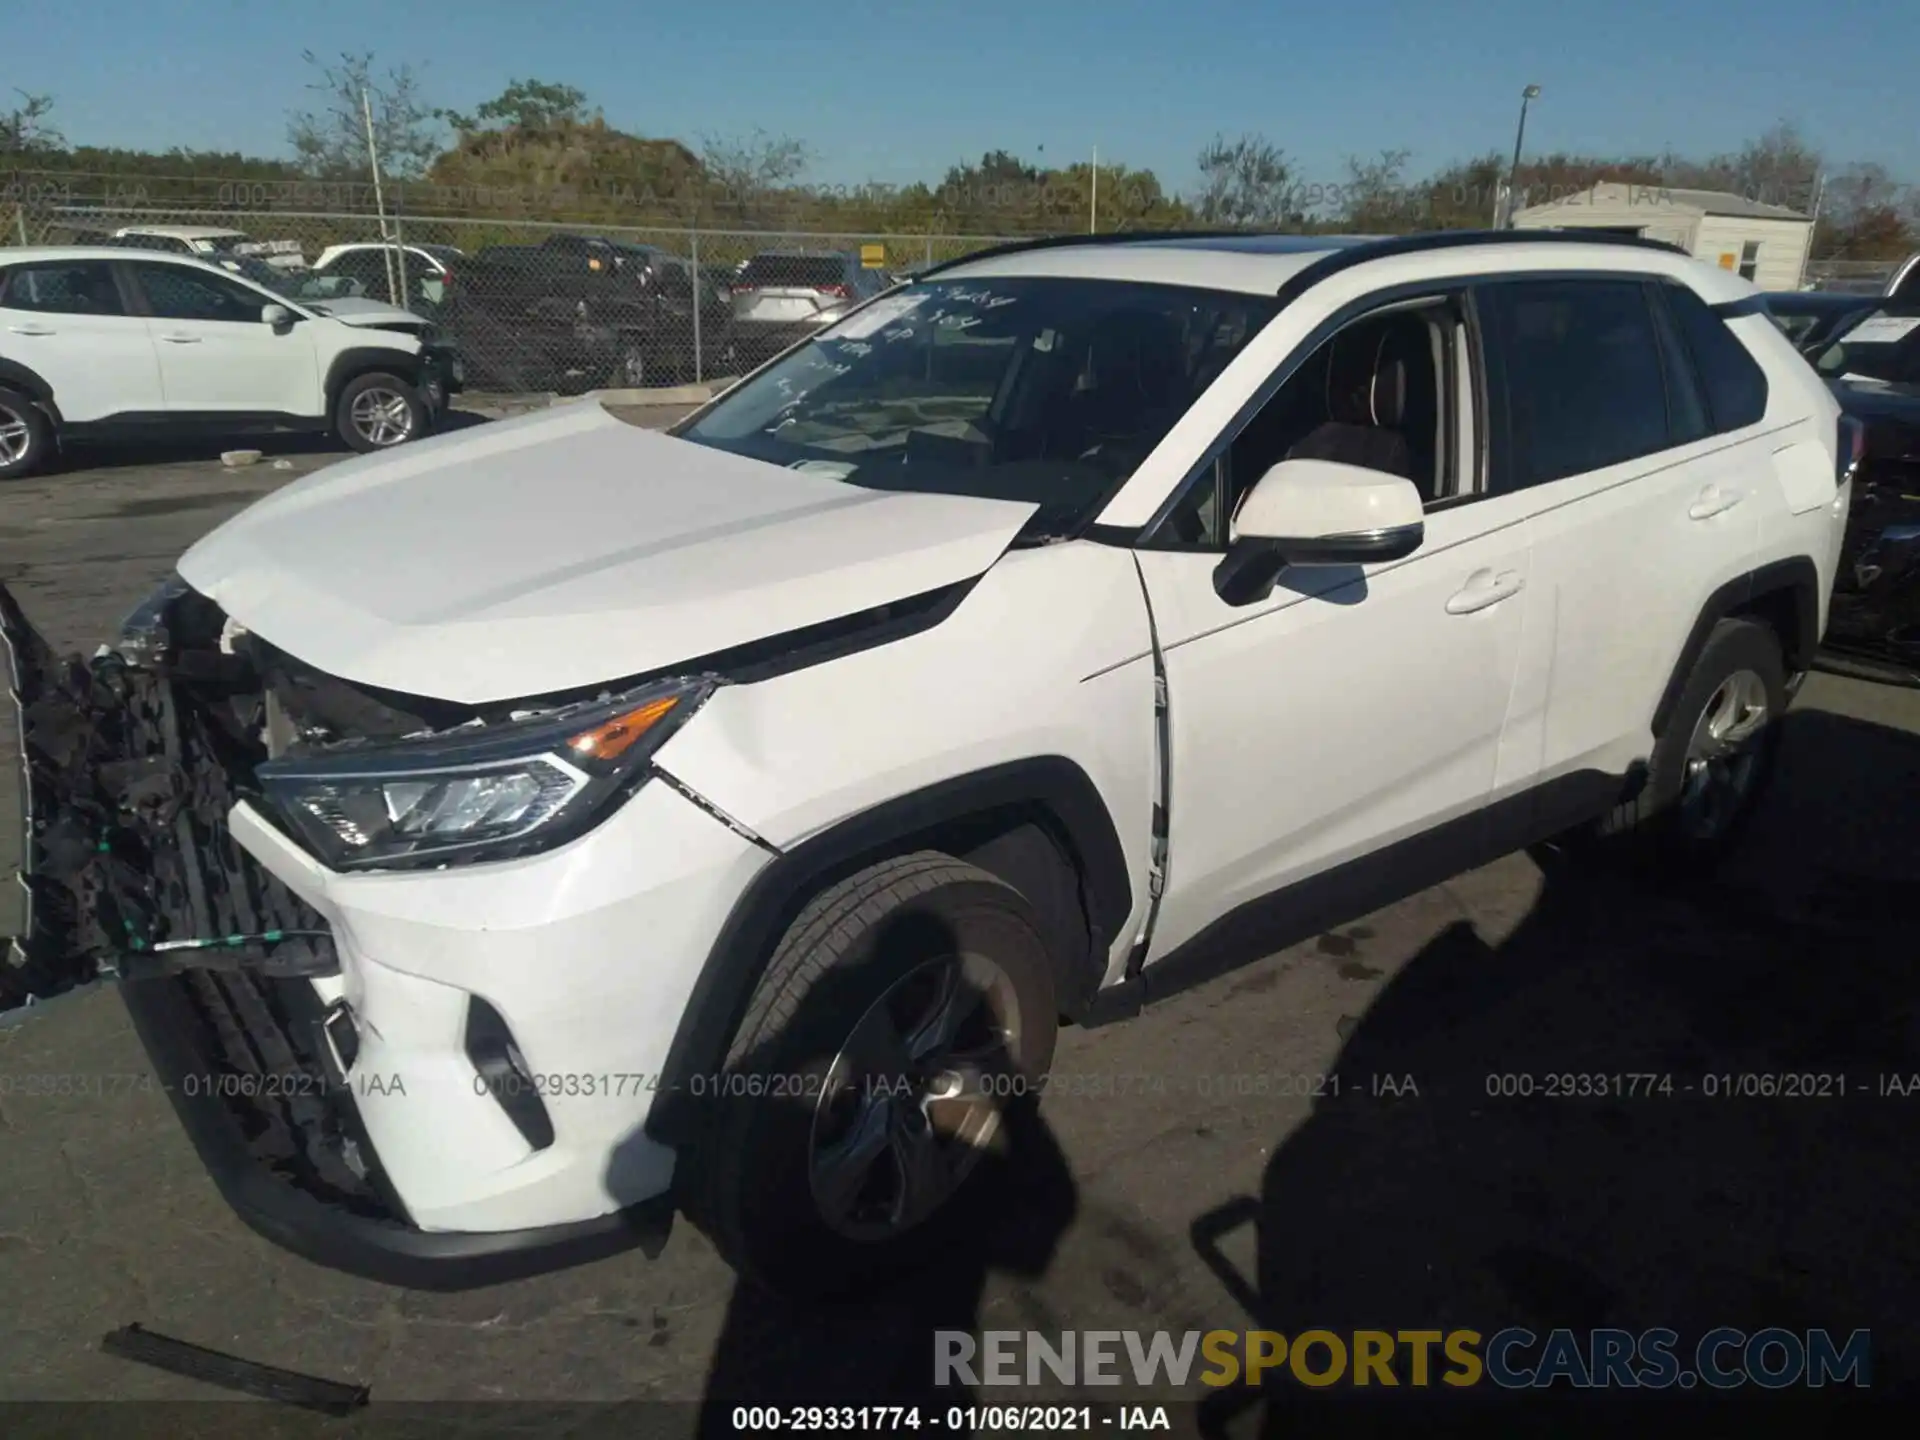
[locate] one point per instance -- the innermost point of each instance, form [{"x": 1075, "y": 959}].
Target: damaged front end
[{"x": 130, "y": 764}]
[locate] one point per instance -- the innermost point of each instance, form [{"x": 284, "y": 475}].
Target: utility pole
[
  {"x": 1093, "y": 205},
  {"x": 395, "y": 291},
  {"x": 1531, "y": 93}
]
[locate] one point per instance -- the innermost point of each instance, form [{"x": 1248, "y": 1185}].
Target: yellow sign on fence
[{"x": 873, "y": 257}]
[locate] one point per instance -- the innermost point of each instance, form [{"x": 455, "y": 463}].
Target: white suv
[
  {"x": 727, "y": 819},
  {"x": 110, "y": 342}
]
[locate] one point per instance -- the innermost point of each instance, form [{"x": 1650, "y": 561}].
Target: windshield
[
  {"x": 1044, "y": 390},
  {"x": 301, "y": 285},
  {"x": 1880, "y": 345}
]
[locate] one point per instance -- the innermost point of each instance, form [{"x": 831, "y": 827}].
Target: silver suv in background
[{"x": 780, "y": 297}]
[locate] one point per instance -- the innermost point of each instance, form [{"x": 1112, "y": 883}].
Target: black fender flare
[
  {"x": 1793, "y": 583},
  {"x": 1053, "y": 785},
  {"x": 28, "y": 382},
  {"x": 365, "y": 358}
]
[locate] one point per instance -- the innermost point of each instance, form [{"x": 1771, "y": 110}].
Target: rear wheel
[
  {"x": 906, "y": 1009},
  {"x": 379, "y": 411},
  {"x": 26, "y": 436},
  {"x": 1712, "y": 760}
]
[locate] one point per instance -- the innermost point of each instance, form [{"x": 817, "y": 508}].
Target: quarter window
[{"x": 1735, "y": 384}]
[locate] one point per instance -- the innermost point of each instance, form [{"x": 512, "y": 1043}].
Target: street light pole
[{"x": 1528, "y": 95}]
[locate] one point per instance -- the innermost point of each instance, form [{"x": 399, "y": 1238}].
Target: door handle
[
  {"x": 181, "y": 339},
  {"x": 31, "y": 330},
  {"x": 1713, "y": 501},
  {"x": 1484, "y": 588}
]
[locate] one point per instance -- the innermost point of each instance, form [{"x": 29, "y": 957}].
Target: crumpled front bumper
[{"x": 128, "y": 777}]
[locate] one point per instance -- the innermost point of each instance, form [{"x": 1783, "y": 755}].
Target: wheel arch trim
[
  {"x": 1797, "y": 578},
  {"x": 1053, "y": 784}
]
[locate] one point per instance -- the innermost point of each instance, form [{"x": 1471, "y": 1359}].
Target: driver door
[
  {"x": 1346, "y": 728},
  {"x": 217, "y": 357}
]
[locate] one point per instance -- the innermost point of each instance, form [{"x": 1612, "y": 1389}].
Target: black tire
[
  {"x": 1654, "y": 829},
  {"x": 22, "y": 420},
  {"x": 748, "y": 1183},
  {"x": 378, "y": 382}
]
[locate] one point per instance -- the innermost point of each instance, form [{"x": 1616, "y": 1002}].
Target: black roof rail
[
  {"x": 1066, "y": 242},
  {"x": 1346, "y": 251}
]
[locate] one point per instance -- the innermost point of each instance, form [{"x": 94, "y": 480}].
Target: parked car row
[{"x": 570, "y": 313}]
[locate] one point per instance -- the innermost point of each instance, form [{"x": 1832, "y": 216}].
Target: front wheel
[
  {"x": 379, "y": 411},
  {"x": 906, "y": 1010}
]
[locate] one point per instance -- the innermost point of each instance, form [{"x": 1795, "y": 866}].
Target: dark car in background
[
  {"x": 579, "y": 311},
  {"x": 1810, "y": 318},
  {"x": 1872, "y": 365},
  {"x": 780, "y": 297}
]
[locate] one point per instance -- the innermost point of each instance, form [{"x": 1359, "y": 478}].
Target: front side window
[
  {"x": 1579, "y": 372},
  {"x": 68, "y": 287},
  {"x": 1044, "y": 390},
  {"x": 175, "y": 292}
]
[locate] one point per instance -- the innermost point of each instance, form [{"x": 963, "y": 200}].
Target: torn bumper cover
[{"x": 129, "y": 772}]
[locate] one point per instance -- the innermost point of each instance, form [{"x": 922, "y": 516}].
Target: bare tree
[
  {"x": 746, "y": 170},
  {"x": 332, "y": 139},
  {"x": 24, "y": 129},
  {"x": 1245, "y": 182}
]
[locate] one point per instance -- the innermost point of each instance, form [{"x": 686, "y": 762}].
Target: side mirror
[
  {"x": 278, "y": 316},
  {"x": 1317, "y": 512},
  {"x": 1320, "y": 512}
]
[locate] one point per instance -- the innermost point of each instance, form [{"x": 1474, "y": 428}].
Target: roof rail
[
  {"x": 1063, "y": 242},
  {"x": 1349, "y": 251}
]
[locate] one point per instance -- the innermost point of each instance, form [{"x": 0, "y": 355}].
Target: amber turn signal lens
[{"x": 612, "y": 738}]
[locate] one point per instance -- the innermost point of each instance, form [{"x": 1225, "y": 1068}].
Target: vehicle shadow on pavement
[
  {"x": 183, "y": 449},
  {"x": 1649, "y": 1185},
  {"x": 879, "y": 1349}
]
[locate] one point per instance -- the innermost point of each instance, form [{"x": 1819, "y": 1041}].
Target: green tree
[{"x": 528, "y": 106}]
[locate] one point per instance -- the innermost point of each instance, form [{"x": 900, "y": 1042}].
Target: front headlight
[{"x": 486, "y": 792}]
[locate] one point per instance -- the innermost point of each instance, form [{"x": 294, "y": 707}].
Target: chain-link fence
[
  {"x": 1868, "y": 277},
  {"x": 550, "y": 290},
  {"x": 531, "y": 305}
]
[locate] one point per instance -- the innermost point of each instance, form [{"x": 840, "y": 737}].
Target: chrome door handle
[
  {"x": 31, "y": 330},
  {"x": 1713, "y": 501},
  {"x": 1484, "y": 588}
]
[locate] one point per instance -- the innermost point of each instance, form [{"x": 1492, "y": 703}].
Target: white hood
[
  {"x": 567, "y": 548},
  {"x": 357, "y": 310}
]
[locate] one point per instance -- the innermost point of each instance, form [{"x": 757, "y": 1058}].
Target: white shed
[{"x": 1766, "y": 244}]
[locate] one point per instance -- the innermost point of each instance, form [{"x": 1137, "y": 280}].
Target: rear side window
[
  {"x": 69, "y": 287},
  {"x": 1577, "y": 365},
  {"x": 1735, "y": 385}
]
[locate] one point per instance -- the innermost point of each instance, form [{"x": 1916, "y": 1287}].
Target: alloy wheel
[
  {"x": 382, "y": 417},
  {"x": 912, "y": 1100},
  {"x": 1723, "y": 755},
  {"x": 16, "y": 436}
]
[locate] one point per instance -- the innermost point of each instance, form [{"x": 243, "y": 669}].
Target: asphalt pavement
[{"x": 1187, "y": 1177}]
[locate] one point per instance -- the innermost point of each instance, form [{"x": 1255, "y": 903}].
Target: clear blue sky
[{"x": 895, "y": 91}]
